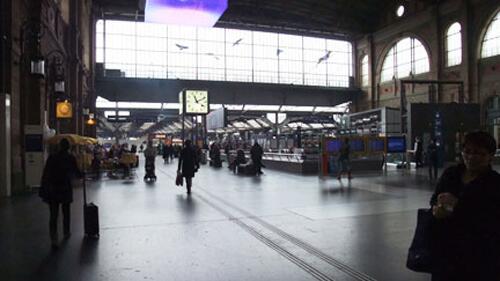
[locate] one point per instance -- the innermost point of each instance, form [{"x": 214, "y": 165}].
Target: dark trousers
[
  {"x": 257, "y": 163},
  {"x": 54, "y": 213},
  {"x": 433, "y": 167}
]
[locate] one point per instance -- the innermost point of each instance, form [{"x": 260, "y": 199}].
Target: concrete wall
[{"x": 429, "y": 24}]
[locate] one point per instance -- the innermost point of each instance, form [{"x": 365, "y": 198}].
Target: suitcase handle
[{"x": 84, "y": 189}]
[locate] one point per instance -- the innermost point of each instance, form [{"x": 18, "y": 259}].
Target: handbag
[
  {"x": 178, "y": 179},
  {"x": 420, "y": 255}
]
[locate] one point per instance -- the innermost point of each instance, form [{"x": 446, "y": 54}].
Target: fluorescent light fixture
[
  {"x": 139, "y": 105},
  {"x": 316, "y": 125},
  {"x": 329, "y": 109},
  {"x": 238, "y": 124},
  {"x": 263, "y": 123},
  {"x": 146, "y": 125},
  {"x": 185, "y": 12},
  {"x": 252, "y": 107},
  {"x": 109, "y": 113},
  {"x": 171, "y": 106},
  {"x": 104, "y": 103},
  {"x": 297, "y": 108},
  {"x": 124, "y": 113},
  {"x": 254, "y": 123},
  {"x": 234, "y": 106},
  {"x": 215, "y": 106}
]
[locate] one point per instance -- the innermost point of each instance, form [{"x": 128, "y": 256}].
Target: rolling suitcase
[{"x": 90, "y": 215}]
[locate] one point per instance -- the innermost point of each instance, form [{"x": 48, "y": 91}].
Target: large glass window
[
  {"x": 290, "y": 59},
  {"x": 406, "y": 57},
  {"x": 339, "y": 63},
  {"x": 365, "y": 82},
  {"x": 454, "y": 45},
  {"x": 265, "y": 62},
  {"x": 239, "y": 55},
  {"x": 491, "y": 41},
  {"x": 147, "y": 50}
]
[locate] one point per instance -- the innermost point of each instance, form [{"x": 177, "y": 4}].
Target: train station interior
[{"x": 269, "y": 94}]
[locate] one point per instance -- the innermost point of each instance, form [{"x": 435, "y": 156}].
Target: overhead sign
[
  {"x": 217, "y": 119},
  {"x": 203, "y": 13},
  {"x": 64, "y": 110}
]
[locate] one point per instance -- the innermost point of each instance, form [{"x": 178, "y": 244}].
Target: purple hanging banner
[{"x": 203, "y": 13}]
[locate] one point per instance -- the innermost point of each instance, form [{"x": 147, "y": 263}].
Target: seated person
[
  {"x": 240, "y": 160},
  {"x": 215, "y": 156}
]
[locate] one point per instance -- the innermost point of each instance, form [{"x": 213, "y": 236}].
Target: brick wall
[{"x": 429, "y": 24}]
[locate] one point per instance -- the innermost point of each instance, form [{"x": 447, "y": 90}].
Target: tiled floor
[{"x": 275, "y": 227}]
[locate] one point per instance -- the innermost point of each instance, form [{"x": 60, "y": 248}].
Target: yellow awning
[{"x": 72, "y": 138}]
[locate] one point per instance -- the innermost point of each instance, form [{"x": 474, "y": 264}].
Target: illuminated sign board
[
  {"x": 203, "y": 13},
  {"x": 64, "y": 110}
]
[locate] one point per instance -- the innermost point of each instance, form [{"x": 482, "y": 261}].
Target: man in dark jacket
[
  {"x": 188, "y": 164},
  {"x": 56, "y": 189},
  {"x": 256, "y": 153},
  {"x": 432, "y": 159}
]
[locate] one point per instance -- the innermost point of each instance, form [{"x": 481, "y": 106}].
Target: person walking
[
  {"x": 465, "y": 242},
  {"x": 344, "y": 160},
  {"x": 56, "y": 189},
  {"x": 150, "y": 156},
  {"x": 166, "y": 154},
  {"x": 188, "y": 164},
  {"x": 419, "y": 151},
  {"x": 432, "y": 159},
  {"x": 256, "y": 153}
]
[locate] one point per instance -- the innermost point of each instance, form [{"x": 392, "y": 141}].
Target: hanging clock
[{"x": 197, "y": 102}]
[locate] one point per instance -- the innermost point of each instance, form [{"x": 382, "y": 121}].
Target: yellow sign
[{"x": 64, "y": 110}]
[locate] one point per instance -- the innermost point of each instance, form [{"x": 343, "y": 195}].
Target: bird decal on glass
[
  {"x": 213, "y": 55},
  {"x": 325, "y": 57},
  {"x": 181, "y": 47},
  {"x": 237, "y": 42},
  {"x": 278, "y": 52}
]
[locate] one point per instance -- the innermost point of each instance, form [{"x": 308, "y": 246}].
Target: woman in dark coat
[
  {"x": 56, "y": 189},
  {"x": 466, "y": 205},
  {"x": 188, "y": 164}
]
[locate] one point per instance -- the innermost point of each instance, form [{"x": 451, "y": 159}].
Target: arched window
[
  {"x": 406, "y": 57},
  {"x": 365, "y": 80},
  {"x": 454, "y": 45},
  {"x": 491, "y": 41}
]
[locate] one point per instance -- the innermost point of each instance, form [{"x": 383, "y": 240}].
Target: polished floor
[{"x": 278, "y": 226}]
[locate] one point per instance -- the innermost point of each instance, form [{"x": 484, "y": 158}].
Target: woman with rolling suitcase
[{"x": 56, "y": 189}]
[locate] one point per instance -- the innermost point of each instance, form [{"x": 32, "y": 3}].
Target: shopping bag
[
  {"x": 419, "y": 255},
  {"x": 179, "y": 180}
]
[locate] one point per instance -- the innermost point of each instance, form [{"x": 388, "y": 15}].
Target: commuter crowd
[{"x": 463, "y": 234}]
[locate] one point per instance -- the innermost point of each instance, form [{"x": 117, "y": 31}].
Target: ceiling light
[
  {"x": 400, "y": 11},
  {"x": 185, "y": 12}
]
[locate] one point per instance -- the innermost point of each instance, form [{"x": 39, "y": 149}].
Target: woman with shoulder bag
[{"x": 466, "y": 206}]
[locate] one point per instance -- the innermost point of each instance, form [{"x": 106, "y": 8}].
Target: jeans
[{"x": 54, "y": 213}]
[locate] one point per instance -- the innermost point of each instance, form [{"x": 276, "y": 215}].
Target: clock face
[{"x": 196, "y": 102}]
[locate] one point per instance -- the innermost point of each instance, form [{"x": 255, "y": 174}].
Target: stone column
[{"x": 5, "y": 152}]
